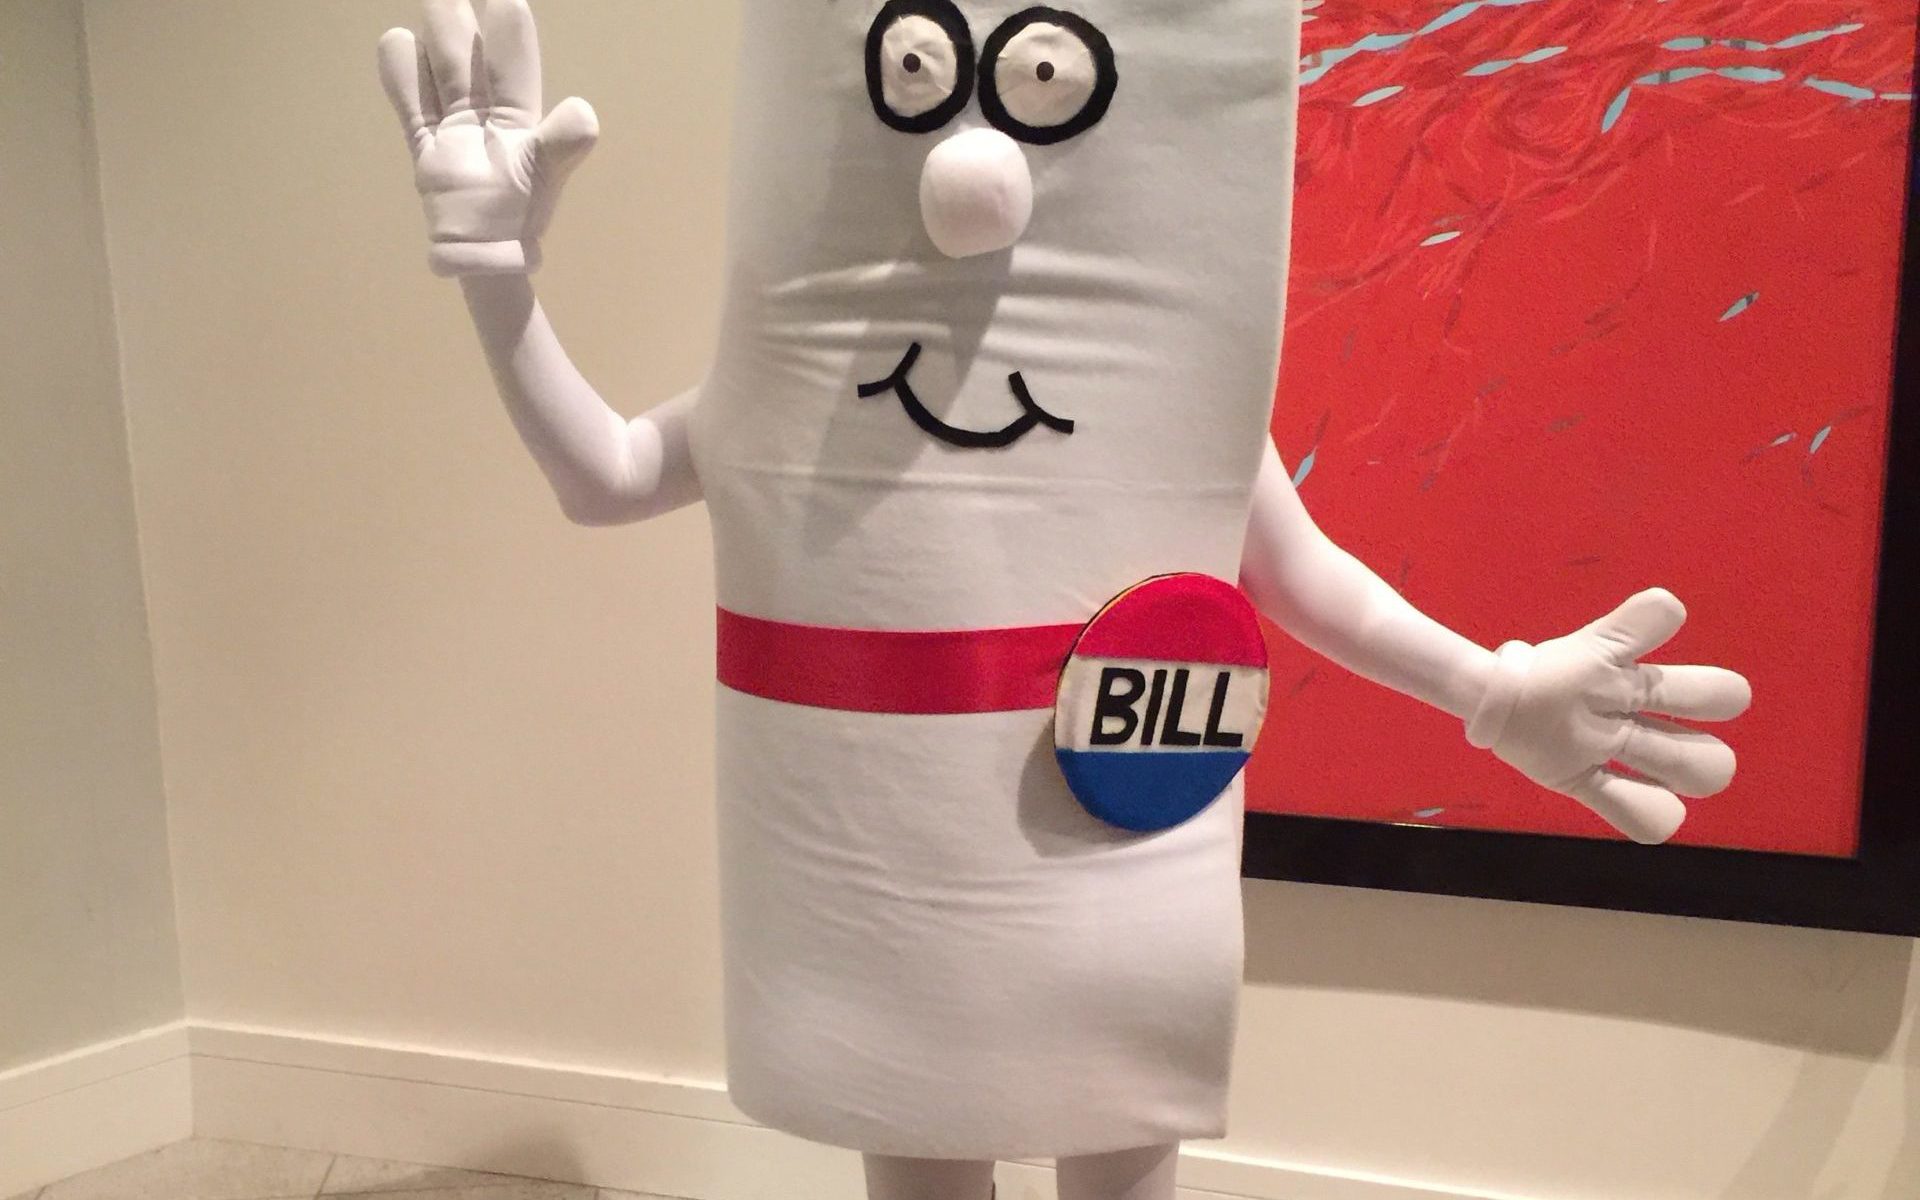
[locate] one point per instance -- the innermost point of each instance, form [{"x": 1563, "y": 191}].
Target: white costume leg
[
  {"x": 1142, "y": 1174},
  {"x": 891, "y": 1178}
]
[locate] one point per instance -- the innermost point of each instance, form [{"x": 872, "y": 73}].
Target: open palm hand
[
  {"x": 1572, "y": 712},
  {"x": 488, "y": 167}
]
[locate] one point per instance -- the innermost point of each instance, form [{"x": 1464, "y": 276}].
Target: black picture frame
[{"x": 1876, "y": 891}]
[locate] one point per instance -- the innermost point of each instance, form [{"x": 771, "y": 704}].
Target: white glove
[
  {"x": 488, "y": 168},
  {"x": 1560, "y": 712}
]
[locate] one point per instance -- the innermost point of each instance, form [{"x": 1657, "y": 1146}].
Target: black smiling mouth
[{"x": 1031, "y": 414}]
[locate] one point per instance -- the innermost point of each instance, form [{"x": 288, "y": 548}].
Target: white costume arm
[
  {"x": 1329, "y": 601},
  {"x": 1561, "y": 713},
  {"x": 605, "y": 469},
  {"x": 489, "y": 171}
]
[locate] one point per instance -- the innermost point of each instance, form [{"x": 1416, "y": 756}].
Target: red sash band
[{"x": 894, "y": 671}]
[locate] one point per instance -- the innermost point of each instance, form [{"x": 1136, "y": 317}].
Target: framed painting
[{"x": 1587, "y": 298}]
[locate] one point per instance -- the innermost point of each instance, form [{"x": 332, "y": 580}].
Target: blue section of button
[{"x": 1145, "y": 792}]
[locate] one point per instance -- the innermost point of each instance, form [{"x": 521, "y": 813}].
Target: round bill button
[{"x": 1160, "y": 701}]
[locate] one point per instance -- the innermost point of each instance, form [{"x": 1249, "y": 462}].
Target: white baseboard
[
  {"x": 94, "y": 1106},
  {"x": 670, "y": 1137}
]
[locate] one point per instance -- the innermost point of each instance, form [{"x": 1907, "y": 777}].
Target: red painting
[{"x": 1589, "y": 296}]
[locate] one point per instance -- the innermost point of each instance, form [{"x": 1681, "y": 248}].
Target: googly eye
[
  {"x": 1046, "y": 75},
  {"x": 920, "y": 64}
]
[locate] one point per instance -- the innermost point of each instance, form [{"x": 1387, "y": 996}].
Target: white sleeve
[
  {"x": 604, "y": 468},
  {"x": 1332, "y": 603}
]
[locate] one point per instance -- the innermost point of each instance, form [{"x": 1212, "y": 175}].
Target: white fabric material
[
  {"x": 1488, "y": 724},
  {"x": 930, "y": 949},
  {"x": 933, "y": 950},
  {"x": 488, "y": 167},
  {"x": 1145, "y": 1173},
  {"x": 976, "y": 193},
  {"x": 1561, "y": 712},
  {"x": 890, "y": 1178},
  {"x": 1142, "y": 1173}
]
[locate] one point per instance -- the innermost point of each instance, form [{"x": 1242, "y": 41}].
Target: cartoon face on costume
[
  {"x": 1043, "y": 76},
  {"x": 981, "y": 250}
]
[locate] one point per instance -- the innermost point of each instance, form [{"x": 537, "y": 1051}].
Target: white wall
[
  {"x": 437, "y": 760},
  {"x": 86, "y": 909},
  {"x": 439, "y": 763}
]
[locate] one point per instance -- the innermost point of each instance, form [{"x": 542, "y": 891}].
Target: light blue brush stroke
[
  {"x": 1378, "y": 94},
  {"x": 1614, "y": 110},
  {"x": 1819, "y": 440},
  {"x": 1782, "y": 440},
  {"x": 1306, "y": 467},
  {"x": 1816, "y": 35},
  {"x": 1740, "y": 73},
  {"x": 1380, "y": 43},
  {"x": 1454, "y": 15},
  {"x": 1497, "y": 65},
  {"x": 1439, "y": 238},
  {"x": 1673, "y": 75},
  {"x": 1428, "y": 814},
  {"x": 1739, "y": 306},
  {"x": 1787, "y": 43},
  {"x": 1314, "y": 67},
  {"x": 1840, "y": 88},
  {"x": 1751, "y": 74}
]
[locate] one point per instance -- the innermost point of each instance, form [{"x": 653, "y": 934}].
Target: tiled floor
[{"x": 205, "y": 1169}]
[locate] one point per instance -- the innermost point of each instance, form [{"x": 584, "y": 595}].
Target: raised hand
[
  {"x": 489, "y": 169},
  {"x": 1561, "y": 712}
]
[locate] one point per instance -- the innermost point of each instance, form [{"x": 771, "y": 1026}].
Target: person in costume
[{"x": 1001, "y": 326}]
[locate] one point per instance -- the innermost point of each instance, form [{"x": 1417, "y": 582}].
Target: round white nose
[{"x": 976, "y": 194}]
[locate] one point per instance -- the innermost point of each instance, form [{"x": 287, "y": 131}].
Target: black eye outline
[
  {"x": 954, "y": 25},
  {"x": 1107, "y": 77}
]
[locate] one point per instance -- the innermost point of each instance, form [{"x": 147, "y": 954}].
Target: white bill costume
[{"x": 1001, "y": 330}]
